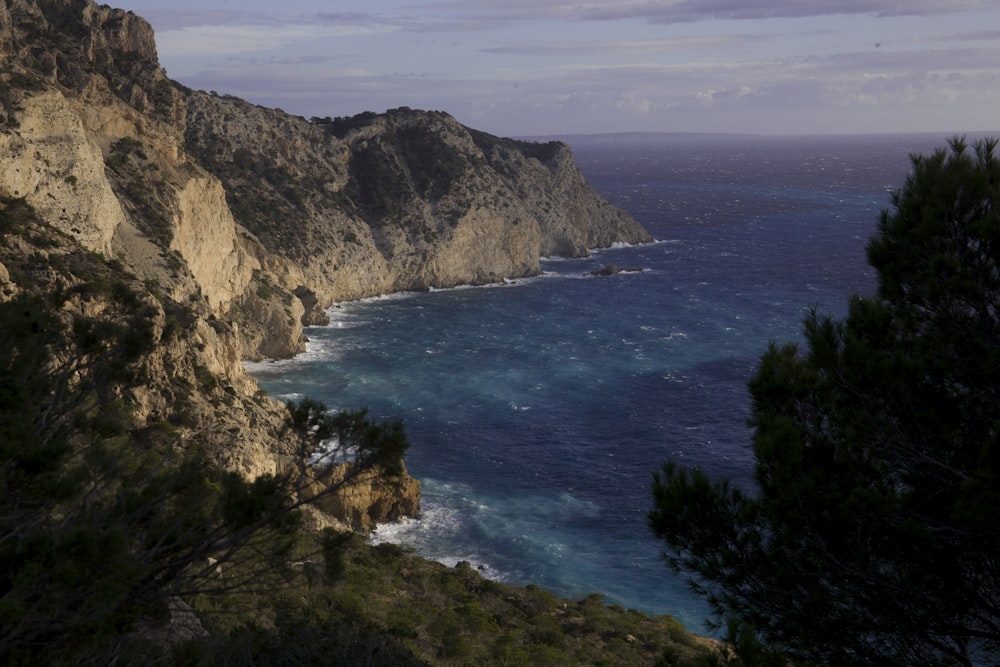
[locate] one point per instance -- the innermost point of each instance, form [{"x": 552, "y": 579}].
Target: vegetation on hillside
[
  {"x": 58, "y": 44},
  {"x": 873, "y": 536},
  {"x": 541, "y": 151},
  {"x": 123, "y": 542},
  {"x": 382, "y": 605}
]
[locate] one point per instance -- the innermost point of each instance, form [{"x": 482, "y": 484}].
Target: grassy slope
[{"x": 385, "y": 606}]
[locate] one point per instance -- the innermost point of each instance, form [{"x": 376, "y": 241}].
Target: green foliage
[
  {"x": 377, "y": 183},
  {"x": 433, "y": 164},
  {"x": 99, "y": 526},
  {"x": 153, "y": 219},
  {"x": 383, "y": 605},
  {"x": 541, "y": 151},
  {"x": 15, "y": 215},
  {"x": 347, "y": 436},
  {"x": 409, "y": 161},
  {"x": 106, "y": 523},
  {"x": 127, "y": 160},
  {"x": 267, "y": 290},
  {"x": 874, "y": 534},
  {"x": 128, "y": 146},
  {"x": 341, "y": 126},
  {"x": 105, "y": 520}
]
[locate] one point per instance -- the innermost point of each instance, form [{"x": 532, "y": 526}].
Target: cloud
[
  {"x": 689, "y": 11},
  {"x": 221, "y": 40},
  {"x": 701, "y": 10},
  {"x": 274, "y": 61},
  {"x": 213, "y": 34},
  {"x": 650, "y": 94},
  {"x": 970, "y": 36},
  {"x": 194, "y": 33},
  {"x": 570, "y": 72},
  {"x": 626, "y": 47},
  {"x": 695, "y": 98},
  {"x": 167, "y": 20},
  {"x": 928, "y": 60}
]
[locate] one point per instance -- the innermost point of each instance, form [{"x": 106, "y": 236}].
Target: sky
[{"x": 557, "y": 67}]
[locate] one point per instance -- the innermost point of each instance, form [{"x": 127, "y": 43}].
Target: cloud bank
[{"x": 542, "y": 67}]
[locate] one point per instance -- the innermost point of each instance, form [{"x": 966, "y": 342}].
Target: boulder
[{"x": 612, "y": 269}]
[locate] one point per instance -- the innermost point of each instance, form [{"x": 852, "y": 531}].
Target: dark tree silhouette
[{"x": 873, "y": 536}]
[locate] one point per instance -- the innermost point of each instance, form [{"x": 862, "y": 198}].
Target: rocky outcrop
[
  {"x": 613, "y": 269},
  {"x": 371, "y": 498},
  {"x": 51, "y": 161},
  {"x": 204, "y": 233},
  {"x": 92, "y": 146}
]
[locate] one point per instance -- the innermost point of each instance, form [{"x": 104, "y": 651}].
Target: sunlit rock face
[{"x": 405, "y": 200}]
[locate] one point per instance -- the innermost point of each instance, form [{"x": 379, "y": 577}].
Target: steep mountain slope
[{"x": 400, "y": 201}]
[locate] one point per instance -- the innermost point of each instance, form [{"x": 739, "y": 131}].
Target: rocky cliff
[
  {"x": 237, "y": 225},
  {"x": 404, "y": 200}
]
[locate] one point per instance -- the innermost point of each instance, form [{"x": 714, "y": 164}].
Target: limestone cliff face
[
  {"x": 239, "y": 224},
  {"x": 376, "y": 499},
  {"x": 51, "y": 161},
  {"x": 204, "y": 234},
  {"x": 405, "y": 200}
]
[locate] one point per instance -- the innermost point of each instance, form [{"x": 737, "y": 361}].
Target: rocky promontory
[{"x": 406, "y": 200}]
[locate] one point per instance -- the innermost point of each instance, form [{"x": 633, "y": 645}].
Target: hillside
[{"x": 151, "y": 239}]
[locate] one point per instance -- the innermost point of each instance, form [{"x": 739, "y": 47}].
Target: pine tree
[{"x": 873, "y": 536}]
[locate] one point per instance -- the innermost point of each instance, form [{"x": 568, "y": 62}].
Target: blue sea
[{"x": 538, "y": 410}]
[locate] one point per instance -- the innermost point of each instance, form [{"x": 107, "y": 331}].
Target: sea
[{"x": 538, "y": 410}]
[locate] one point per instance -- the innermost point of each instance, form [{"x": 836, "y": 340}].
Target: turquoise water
[{"x": 538, "y": 410}]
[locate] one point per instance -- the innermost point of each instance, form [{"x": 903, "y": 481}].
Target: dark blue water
[{"x": 539, "y": 410}]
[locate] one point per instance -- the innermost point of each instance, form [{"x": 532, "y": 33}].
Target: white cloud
[
  {"x": 225, "y": 40},
  {"x": 634, "y": 104}
]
